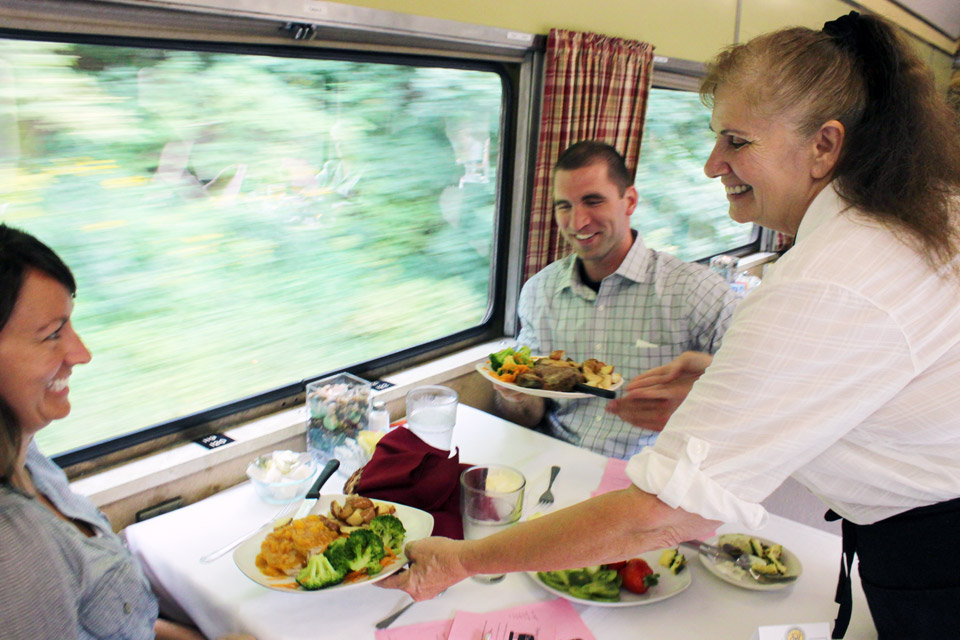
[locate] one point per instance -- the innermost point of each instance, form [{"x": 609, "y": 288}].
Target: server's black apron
[{"x": 910, "y": 572}]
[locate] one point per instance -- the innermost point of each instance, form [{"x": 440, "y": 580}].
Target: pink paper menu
[
  {"x": 552, "y": 620},
  {"x": 614, "y": 477},
  {"x": 438, "y": 630}
]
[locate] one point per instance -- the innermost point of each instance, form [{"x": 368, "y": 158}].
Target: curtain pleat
[{"x": 595, "y": 88}]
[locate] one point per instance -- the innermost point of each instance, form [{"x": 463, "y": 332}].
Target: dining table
[{"x": 220, "y": 599}]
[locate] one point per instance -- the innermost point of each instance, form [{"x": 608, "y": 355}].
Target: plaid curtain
[{"x": 595, "y": 88}]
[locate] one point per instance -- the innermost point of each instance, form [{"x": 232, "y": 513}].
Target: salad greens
[{"x": 591, "y": 583}]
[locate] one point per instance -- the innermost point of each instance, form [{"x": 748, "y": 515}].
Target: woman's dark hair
[
  {"x": 900, "y": 162},
  {"x": 587, "y": 152},
  {"x": 20, "y": 252}
]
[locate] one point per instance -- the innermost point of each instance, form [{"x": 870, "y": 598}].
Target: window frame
[
  {"x": 345, "y": 32},
  {"x": 249, "y": 40},
  {"x": 677, "y": 74}
]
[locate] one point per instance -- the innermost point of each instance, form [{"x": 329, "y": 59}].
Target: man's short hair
[{"x": 587, "y": 152}]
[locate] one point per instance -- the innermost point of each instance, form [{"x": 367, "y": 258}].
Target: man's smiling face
[{"x": 594, "y": 217}]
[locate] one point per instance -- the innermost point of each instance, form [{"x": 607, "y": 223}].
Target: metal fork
[
  {"x": 287, "y": 510},
  {"x": 762, "y": 578},
  {"x": 547, "y": 498},
  {"x": 743, "y": 560}
]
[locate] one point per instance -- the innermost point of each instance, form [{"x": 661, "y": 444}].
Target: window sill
[
  {"x": 753, "y": 263},
  {"x": 191, "y": 469},
  {"x": 149, "y": 475}
]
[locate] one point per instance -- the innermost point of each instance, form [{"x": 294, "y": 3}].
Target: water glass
[
  {"x": 491, "y": 499},
  {"x": 432, "y": 414}
]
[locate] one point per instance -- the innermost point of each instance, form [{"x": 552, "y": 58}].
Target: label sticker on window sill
[{"x": 214, "y": 440}]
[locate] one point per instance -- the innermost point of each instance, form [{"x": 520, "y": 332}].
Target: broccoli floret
[
  {"x": 364, "y": 550},
  {"x": 523, "y": 356},
  {"x": 390, "y": 530},
  {"x": 337, "y": 556},
  {"x": 319, "y": 573},
  {"x": 496, "y": 359}
]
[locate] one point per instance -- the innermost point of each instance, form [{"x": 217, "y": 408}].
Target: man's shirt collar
[{"x": 635, "y": 267}]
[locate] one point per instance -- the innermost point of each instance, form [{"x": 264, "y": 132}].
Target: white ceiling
[{"x": 942, "y": 14}]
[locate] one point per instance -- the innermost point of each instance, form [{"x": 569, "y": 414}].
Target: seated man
[{"x": 612, "y": 299}]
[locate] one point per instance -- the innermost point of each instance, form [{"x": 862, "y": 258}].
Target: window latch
[{"x": 300, "y": 30}]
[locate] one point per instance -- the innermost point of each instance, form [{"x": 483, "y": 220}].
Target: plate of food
[
  {"x": 770, "y": 558},
  {"x": 622, "y": 584},
  {"x": 553, "y": 376},
  {"x": 345, "y": 542}
]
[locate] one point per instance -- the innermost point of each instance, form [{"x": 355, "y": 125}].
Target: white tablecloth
[{"x": 221, "y": 599}]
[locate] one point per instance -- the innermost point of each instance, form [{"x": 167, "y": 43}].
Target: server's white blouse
[{"x": 842, "y": 369}]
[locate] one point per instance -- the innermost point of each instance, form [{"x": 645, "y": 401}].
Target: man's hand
[
  {"x": 520, "y": 408},
  {"x": 651, "y": 398},
  {"x": 434, "y": 566},
  {"x": 688, "y": 363}
]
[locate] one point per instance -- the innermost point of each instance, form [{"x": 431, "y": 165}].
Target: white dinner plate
[
  {"x": 728, "y": 572},
  {"x": 419, "y": 524},
  {"x": 668, "y": 586},
  {"x": 484, "y": 369}
]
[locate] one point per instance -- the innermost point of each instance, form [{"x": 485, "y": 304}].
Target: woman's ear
[{"x": 828, "y": 142}]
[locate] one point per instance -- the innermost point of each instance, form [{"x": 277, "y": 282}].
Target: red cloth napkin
[{"x": 406, "y": 470}]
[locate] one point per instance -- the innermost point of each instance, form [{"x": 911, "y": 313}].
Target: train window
[
  {"x": 681, "y": 211},
  {"x": 240, "y": 220}
]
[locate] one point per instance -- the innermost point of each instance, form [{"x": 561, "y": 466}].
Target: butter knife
[
  {"x": 302, "y": 510},
  {"x": 310, "y": 500},
  {"x": 583, "y": 387}
]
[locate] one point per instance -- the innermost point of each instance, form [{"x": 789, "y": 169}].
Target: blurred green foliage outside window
[
  {"x": 681, "y": 211},
  {"x": 238, "y": 223}
]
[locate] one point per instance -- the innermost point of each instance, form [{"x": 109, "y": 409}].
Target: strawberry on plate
[{"x": 638, "y": 576}]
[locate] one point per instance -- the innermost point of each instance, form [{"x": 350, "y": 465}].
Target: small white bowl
[{"x": 282, "y": 476}]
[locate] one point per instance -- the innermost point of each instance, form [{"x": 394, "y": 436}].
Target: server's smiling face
[
  {"x": 767, "y": 168},
  {"x": 38, "y": 350}
]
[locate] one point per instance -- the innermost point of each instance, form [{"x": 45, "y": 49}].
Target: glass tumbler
[
  {"x": 432, "y": 414},
  {"x": 491, "y": 499}
]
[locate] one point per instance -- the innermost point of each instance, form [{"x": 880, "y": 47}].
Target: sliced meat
[{"x": 559, "y": 378}]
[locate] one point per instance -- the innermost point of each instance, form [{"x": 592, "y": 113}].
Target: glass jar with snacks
[{"x": 338, "y": 409}]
